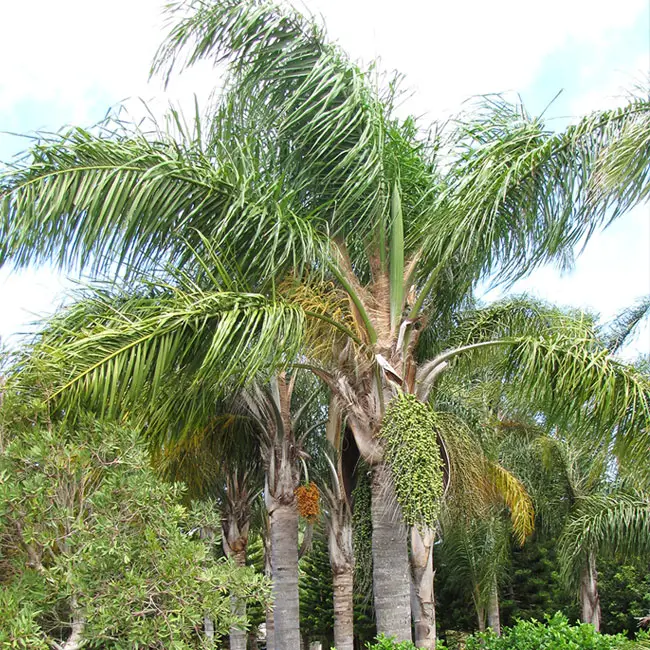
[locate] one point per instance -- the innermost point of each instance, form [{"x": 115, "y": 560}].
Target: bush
[
  {"x": 386, "y": 643},
  {"x": 555, "y": 634},
  {"x": 88, "y": 530}
]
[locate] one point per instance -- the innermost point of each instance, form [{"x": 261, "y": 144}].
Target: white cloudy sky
[{"x": 69, "y": 61}]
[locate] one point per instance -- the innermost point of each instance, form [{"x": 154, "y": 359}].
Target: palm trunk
[
  {"x": 208, "y": 628},
  {"x": 238, "y": 607},
  {"x": 78, "y": 623},
  {"x": 589, "y": 598},
  {"x": 208, "y": 623},
  {"x": 343, "y": 609},
  {"x": 422, "y": 595},
  {"x": 480, "y": 617},
  {"x": 493, "y": 616},
  {"x": 284, "y": 569},
  {"x": 266, "y": 540},
  {"x": 270, "y": 629},
  {"x": 391, "y": 580}
]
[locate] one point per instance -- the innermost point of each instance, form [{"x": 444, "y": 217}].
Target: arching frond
[
  {"x": 81, "y": 199},
  {"x": 578, "y": 385},
  {"x": 616, "y": 522},
  {"x": 476, "y": 552},
  {"x": 170, "y": 352},
  {"x": 519, "y": 194},
  {"x": 623, "y": 327},
  {"x": 516, "y": 498},
  {"x": 289, "y": 82}
]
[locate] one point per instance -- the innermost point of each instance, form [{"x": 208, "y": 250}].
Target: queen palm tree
[
  {"x": 602, "y": 514},
  {"x": 338, "y": 214},
  {"x": 223, "y": 464}
]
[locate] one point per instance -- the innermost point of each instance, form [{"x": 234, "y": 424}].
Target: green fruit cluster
[{"x": 409, "y": 432}]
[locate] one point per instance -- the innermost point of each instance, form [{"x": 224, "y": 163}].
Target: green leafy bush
[
  {"x": 88, "y": 531},
  {"x": 555, "y": 634},
  {"x": 388, "y": 643}
]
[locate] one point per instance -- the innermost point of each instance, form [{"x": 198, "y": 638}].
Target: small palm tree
[{"x": 222, "y": 464}]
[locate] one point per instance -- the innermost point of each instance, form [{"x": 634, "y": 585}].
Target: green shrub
[
  {"x": 85, "y": 523},
  {"x": 388, "y": 643},
  {"x": 555, "y": 634}
]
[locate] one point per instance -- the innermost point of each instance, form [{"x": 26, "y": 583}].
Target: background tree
[
  {"x": 96, "y": 548},
  {"x": 224, "y": 465}
]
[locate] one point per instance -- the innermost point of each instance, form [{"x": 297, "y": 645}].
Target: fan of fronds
[
  {"x": 170, "y": 352},
  {"x": 617, "y": 522}
]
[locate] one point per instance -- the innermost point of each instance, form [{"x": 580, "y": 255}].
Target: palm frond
[
  {"x": 623, "y": 327},
  {"x": 617, "y": 522},
  {"x": 95, "y": 200},
  {"x": 578, "y": 385},
  {"x": 170, "y": 352},
  {"x": 288, "y": 81},
  {"x": 516, "y": 498},
  {"x": 519, "y": 195}
]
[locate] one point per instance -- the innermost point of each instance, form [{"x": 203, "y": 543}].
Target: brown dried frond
[{"x": 323, "y": 339}]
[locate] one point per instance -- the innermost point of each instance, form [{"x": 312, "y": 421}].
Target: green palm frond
[
  {"x": 623, "y": 327},
  {"x": 126, "y": 200},
  {"x": 616, "y": 522},
  {"x": 210, "y": 461},
  {"x": 85, "y": 199},
  {"x": 577, "y": 384},
  {"x": 519, "y": 194},
  {"x": 476, "y": 552},
  {"x": 322, "y": 119},
  {"x": 171, "y": 353}
]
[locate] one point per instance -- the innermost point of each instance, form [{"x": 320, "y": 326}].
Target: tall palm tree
[
  {"x": 335, "y": 482},
  {"x": 305, "y": 172}
]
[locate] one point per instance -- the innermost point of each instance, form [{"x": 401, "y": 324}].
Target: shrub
[
  {"x": 555, "y": 634},
  {"x": 386, "y": 643},
  {"x": 86, "y": 527}
]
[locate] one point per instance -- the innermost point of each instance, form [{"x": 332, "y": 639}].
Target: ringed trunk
[
  {"x": 343, "y": 586},
  {"x": 391, "y": 579},
  {"x": 422, "y": 594},
  {"x": 238, "y": 606},
  {"x": 284, "y": 571},
  {"x": 493, "y": 616},
  {"x": 589, "y": 598}
]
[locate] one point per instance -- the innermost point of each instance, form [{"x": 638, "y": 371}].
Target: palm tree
[
  {"x": 605, "y": 514},
  {"x": 305, "y": 173},
  {"x": 222, "y": 464},
  {"x": 335, "y": 480}
]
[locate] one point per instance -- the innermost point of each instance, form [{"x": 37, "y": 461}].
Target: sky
[{"x": 68, "y": 62}]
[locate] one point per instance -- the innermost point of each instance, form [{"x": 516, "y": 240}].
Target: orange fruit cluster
[{"x": 308, "y": 498}]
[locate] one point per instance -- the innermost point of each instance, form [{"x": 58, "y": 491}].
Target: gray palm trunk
[
  {"x": 284, "y": 571},
  {"x": 238, "y": 606},
  {"x": 342, "y": 563},
  {"x": 272, "y": 410},
  {"x": 391, "y": 576},
  {"x": 235, "y": 524},
  {"x": 589, "y": 598},
  {"x": 270, "y": 638},
  {"x": 493, "y": 615},
  {"x": 423, "y": 607}
]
